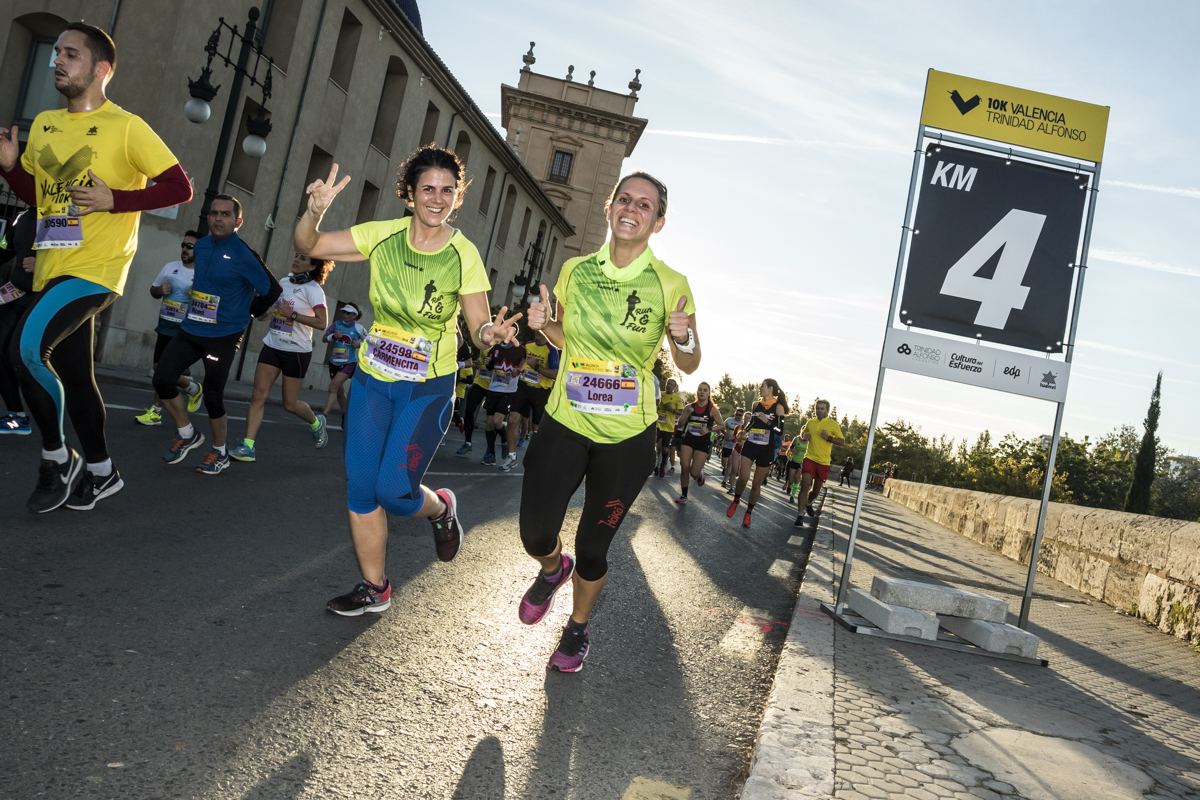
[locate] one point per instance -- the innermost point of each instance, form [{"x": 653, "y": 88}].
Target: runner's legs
[{"x": 53, "y": 345}]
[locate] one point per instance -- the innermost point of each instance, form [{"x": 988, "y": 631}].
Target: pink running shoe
[
  {"x": 572, "y": 650},
  {"x": 539, "y": 598},
  {"x": 700, "y": 480},
  {"x": 363, "y": 597},
  {"x": 681, "y": 501}
]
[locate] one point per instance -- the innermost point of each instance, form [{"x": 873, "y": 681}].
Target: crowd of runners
[{"x": 570, "y": 381}]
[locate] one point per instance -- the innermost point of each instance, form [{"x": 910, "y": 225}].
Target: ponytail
[{"x": 779, "y": 395}]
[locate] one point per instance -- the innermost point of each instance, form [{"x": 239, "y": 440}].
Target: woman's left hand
[{"x": 677, "y": 322}]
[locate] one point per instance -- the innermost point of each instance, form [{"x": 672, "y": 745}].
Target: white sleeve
[
  {"x": 162, "y": 275},
  {"x": 316, "y": 295}
]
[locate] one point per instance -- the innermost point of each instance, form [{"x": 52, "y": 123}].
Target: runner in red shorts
[{"x": 821, "y": 433}]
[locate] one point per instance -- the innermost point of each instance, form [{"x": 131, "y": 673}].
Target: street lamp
[
  {"x": 535, "y": 259},
  {"x": 197, "y": 109}
]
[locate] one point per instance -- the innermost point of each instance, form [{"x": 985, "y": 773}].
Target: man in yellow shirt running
[
  {"x": 821, "y": 433},
  {"x": 85, "y": 169}
]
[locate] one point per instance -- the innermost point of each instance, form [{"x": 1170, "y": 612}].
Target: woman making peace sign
[{"x": 402, "y": 406}]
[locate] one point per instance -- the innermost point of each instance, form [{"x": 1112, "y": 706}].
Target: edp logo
[{"x": 1013, "y": 371}]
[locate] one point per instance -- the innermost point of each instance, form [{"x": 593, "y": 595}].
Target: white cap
[{"x": 353, "y": 308}]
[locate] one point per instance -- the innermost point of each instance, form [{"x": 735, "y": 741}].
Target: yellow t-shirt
[
  {"x": 614, "y": 323},
  {"x": 819, "y": 450},
  {"x": 669, "y": 406},
  {"x": 536, "y": 355},
  {"x": 121, "y": 150},
  {"x": 417, "y": 292}
]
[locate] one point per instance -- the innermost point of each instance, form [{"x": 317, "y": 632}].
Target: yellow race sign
[{"x": 1014, "y": 116}]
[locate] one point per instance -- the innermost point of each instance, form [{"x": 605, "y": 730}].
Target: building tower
[{"x": 572, "y": 137}]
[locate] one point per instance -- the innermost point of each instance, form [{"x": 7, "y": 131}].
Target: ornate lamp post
[
  {"x": 202, "y": 91},
  {"x": 531, "y": 270}
]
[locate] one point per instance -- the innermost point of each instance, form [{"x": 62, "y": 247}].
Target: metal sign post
[{"x": 996, "y": 264}]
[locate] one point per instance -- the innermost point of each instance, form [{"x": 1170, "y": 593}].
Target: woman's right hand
[{"x": 321, "y": 192}]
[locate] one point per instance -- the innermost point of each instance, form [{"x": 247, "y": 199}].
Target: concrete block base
[
  {"x": 938, "y": 599},
  {"x": 993, "y": 637},
  {"x": 894, "y": 619}
]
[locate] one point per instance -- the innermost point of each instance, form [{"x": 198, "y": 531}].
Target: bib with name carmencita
[
  {"x": 602, "y": 387},
  {"x": 203, "y": 307},
  {"x": 759, "y": 436},
  {"x": 398, "y": 354}
]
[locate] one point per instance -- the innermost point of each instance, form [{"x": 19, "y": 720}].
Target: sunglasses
[{"x": 187, "y": 246}]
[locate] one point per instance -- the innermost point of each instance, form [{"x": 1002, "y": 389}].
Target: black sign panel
[{"x": 993, "y": 250}]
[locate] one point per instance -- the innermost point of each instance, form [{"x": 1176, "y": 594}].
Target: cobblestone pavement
[{"x": 1122, "y": 696}]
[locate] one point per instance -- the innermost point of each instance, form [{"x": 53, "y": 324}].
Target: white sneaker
[{"x": 509, "y": 462}]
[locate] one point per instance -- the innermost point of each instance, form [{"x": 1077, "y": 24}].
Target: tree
[
  {"x": 1177, "y": 493},
  {"x": 725, "y": 394},
  {"x": 1138, "y": 499}
]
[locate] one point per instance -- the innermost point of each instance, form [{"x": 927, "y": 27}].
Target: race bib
[
  {"x": 8, "y": 293},
  {"x": 172, "y": 310},
  {"x": 533, "y": 377},
  {"x": 203, "y": 308},
  {"x": 503, "y": 383},
  {"x": 340, "y": 353},
  {"x": 662, "y": 418},
  {"x": 758, "y": 436},
  {"x": 696, "y": 429},
  {"x": 398, "y": 354},
  {"x": 602, "y": 387},
  {"x": 284, "y": 326},
  {"x": 59, "y": 230}
]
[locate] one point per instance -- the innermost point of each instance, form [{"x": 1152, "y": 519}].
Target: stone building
[
  {"x": 573, "y": 137},
  {"x": 354, "y": 82}
]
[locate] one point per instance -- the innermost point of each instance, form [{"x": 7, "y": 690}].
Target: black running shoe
[
  {"x": 447, "y": 534},
  {"x": 808, "y": 509},
  {"x": 55, "y": 482},
  {"x": 92, "y": 488},
  {"x": 799, "y": 522},
  {"x": 363, "y": 597}
]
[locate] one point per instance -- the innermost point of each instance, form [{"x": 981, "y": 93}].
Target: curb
[{"x": 794, "y": 755}]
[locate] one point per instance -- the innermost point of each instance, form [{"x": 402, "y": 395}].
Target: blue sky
[{"x": 785, "y": 132}]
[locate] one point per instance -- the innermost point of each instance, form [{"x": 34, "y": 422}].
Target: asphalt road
[{"x": 173, "y": 642}]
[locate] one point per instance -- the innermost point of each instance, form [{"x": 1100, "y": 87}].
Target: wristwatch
[{"x": 687, "y": 347}]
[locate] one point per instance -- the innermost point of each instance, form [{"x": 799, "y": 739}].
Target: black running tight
[
  {"x": 557, "y": 462},
  {"x": 470, "y": 405},
  {"x": 53, "y": 345}
]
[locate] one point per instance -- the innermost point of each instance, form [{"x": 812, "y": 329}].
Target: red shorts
[{"x": 818, "y": 471}]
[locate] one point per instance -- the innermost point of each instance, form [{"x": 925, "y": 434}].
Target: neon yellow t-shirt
[
  {"x": 819, "y": 450},
  {"x": 614, "y": 324},
  {"x": 669, "y": 406},
  {"x": 121, "y": 150},
  {"x": 417, "y": 292}
]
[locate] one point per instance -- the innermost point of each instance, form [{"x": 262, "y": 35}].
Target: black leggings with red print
[{"x": 557, "y": 462}]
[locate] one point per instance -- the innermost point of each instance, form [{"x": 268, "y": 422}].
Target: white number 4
[{"x": 1017, "y": 233}]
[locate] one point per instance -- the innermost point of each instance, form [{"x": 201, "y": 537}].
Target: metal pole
[
  {"x": 235, "y": 95},
  {"x": 866, "y": 466},
  {"x": 1027, "y": 599}
]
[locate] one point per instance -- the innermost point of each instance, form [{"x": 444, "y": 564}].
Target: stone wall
[{"x": 1136, "y": 563}]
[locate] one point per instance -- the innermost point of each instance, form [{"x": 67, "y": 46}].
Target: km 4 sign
[{"x": 994, "y": 245}]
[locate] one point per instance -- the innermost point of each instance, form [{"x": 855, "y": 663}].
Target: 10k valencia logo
[{"x": 964, "y": 106}]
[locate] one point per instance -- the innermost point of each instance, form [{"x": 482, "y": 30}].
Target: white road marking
[
  {"x": 228, "y": 416},
  {"x": 746, "y": 636},
  {"x": 781, "y": 569},
  {"x": 796, "y": 540}
]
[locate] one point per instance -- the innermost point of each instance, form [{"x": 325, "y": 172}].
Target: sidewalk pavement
[
  {"x": 1115, "y": 715},
  {"x": 234, "y": 390}
]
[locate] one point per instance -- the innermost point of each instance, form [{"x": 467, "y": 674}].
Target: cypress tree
[{"x": 1138, "y": 499}]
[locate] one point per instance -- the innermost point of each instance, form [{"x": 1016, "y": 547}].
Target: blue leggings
[{"x": 393, "y": 430}]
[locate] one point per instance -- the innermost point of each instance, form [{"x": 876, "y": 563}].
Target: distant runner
[
  {"x": 700, "y": 419},
  {"x": 821, "y": 434},
  {"x": 758, "y": 452}
]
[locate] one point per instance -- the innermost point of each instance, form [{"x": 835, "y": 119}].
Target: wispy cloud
[
  {"x": 1134, "y": 260},
  {"x": 1193, "y": 193},
  {"x": 1141, "y": 355},
  {"x": 771, "y": 140}
]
